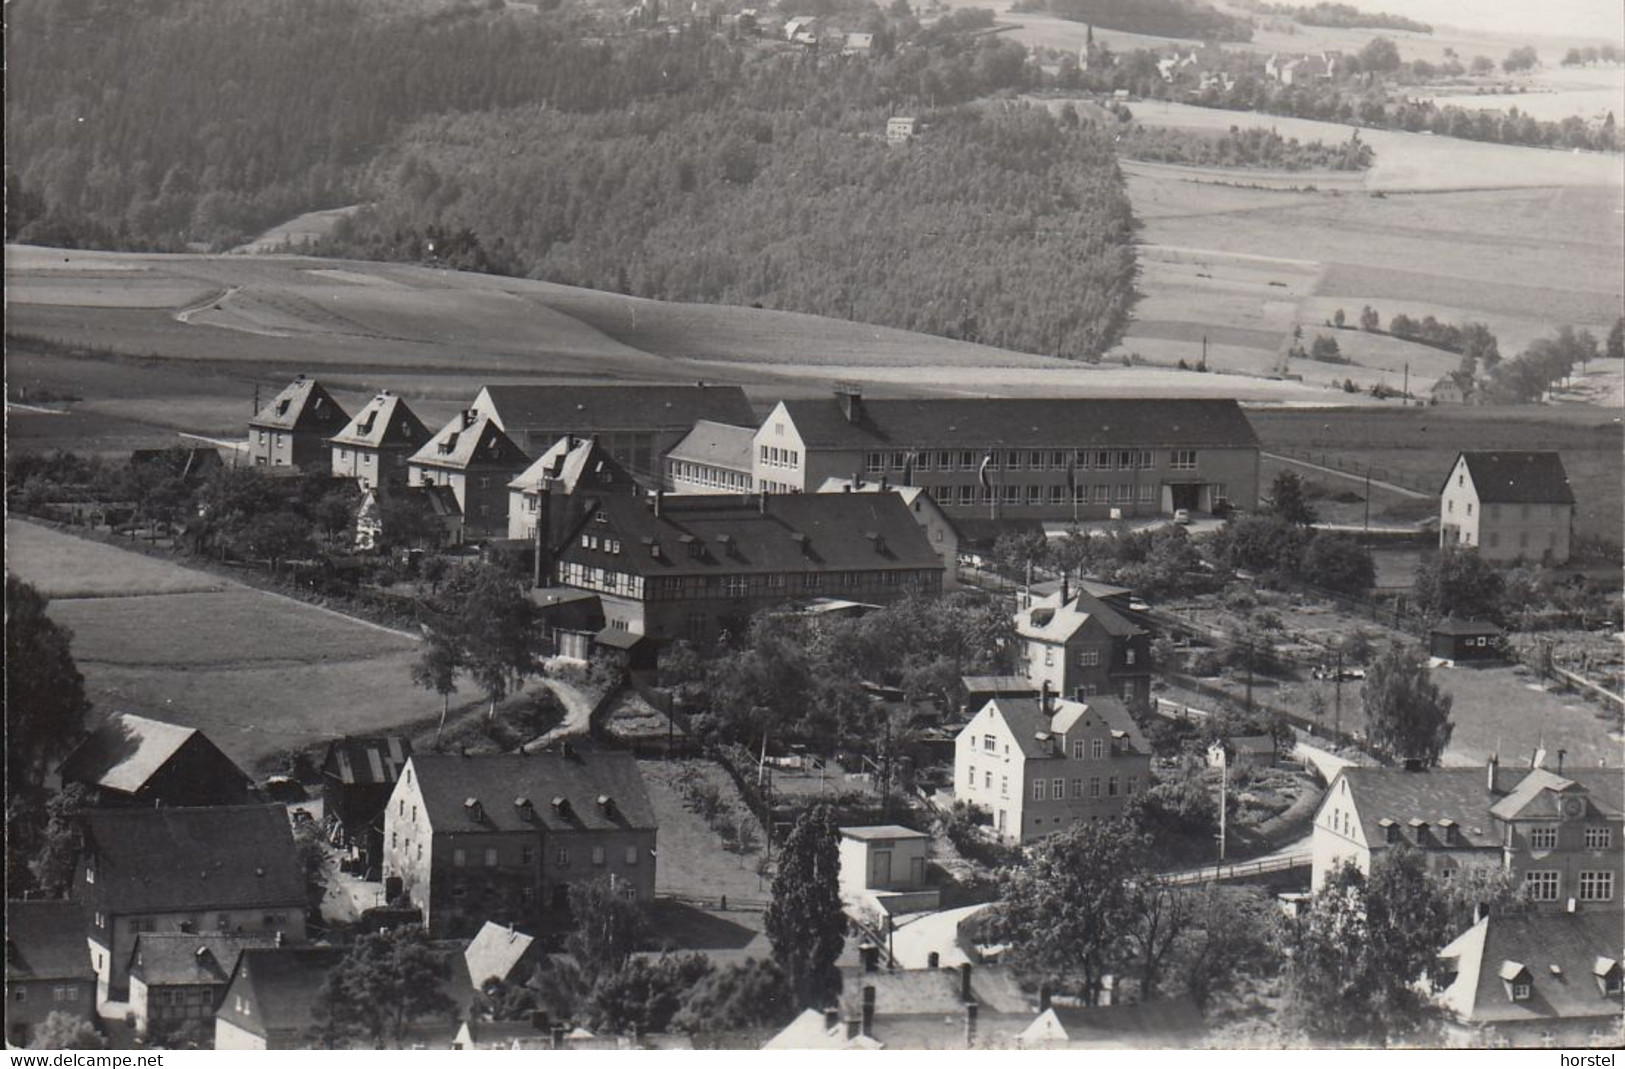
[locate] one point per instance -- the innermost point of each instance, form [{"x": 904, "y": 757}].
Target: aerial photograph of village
[{"x": 951, "y": 525}]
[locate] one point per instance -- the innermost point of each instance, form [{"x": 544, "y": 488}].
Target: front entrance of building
[{"x": 1186, "y": 496}]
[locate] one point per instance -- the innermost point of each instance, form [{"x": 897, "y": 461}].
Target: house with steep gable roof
[
  {"x": 1081, "y": 647},
  {"x": 217, "y": 869},
  {"x": 292, "y": 431},
  {"x": 475, "y": 459},
  {"x": 1559, "y": 834},
  {"x": 135, "y": 760},
  {"x": 549, "y": 493},
  {"x": 374, "y": 446},
  {"x": 48, "y": 965},
  {"x": 177, "y": 978},
  {"x": 501, "y": 837},
  {"x": 1038, "y": 765},
  {"x": 1508, "y": 505},
  {"x": 1535, "y": 979},
  {"x": 500, "y": 952}
]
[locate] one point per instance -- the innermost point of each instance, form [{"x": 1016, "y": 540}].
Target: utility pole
[
  {"x": 1337, "y": 700},
  {"x": 1367, "y": 535},
  {"x": 1224, "y": 791},
  {"x": 1249, "y": 643},
  {"x": 1406, "y": 395}
]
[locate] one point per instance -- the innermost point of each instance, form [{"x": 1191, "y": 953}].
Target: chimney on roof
[
  {"x": 869, "y": 954},
  {"x": 1044, "y": 997},
  {"x": 964, "y": 981},
  {"x": 1560, "y": 755},
  {"x": 850, "y": 399},
  {"x": 1490, "y": 768},
  {"x": 1066, "y": 588},
  {"x": 475, "y": 811},
  {"x": 869, "y": 1009},
  {"x": 970, "y": 1024},
  {"x": 832, "y": 1018},
  {"x": 933, "y": 960},
  {"x": 1046, "y": 699}
]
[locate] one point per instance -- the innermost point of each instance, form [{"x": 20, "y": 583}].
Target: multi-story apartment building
[
  {"x": 501, "y": 837},
  {"x": 218, "y": 869},
  {"x": 694, "y": 567},
  {"x": 940, "y": 529},
  {"x": 373, "y": 448},
  {"x": 292, "y": 431},
  {"x": 637, "y": 424},
  {"x": 1508, "y": 505},
  {"x": 1077, "y": 645},
  {"x": 1557, "y": 833},
  {"x": 474, "y": 458},
  {"x": 1020, "y": 458},
  {"x": 569, "y": 468},
  {"x": 1038, "y": 764},
  {"x": 712, "y": 458}
]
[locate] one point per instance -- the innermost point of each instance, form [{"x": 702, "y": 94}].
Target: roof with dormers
[
  {"x": 574, "y": 463},
  {"x": 1051, "y": 620},
  {"x": 470, "y": 440},
  {"x": 498, "y": 782},
  {"x": 1560, "y": 955},
  {"x": 386, "y": 420},
  {"x": 303, "y": 405},
  {"x": 1027, "y": 719}
]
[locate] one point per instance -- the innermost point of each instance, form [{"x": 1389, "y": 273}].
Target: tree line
[
  {"x": 1190, "y": 19},
  {"x": 1253, "y": 147},
  {"x": 1341, "y": 16}
]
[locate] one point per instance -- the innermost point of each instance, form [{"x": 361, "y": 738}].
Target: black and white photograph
[{"x": 828, "y": 525}]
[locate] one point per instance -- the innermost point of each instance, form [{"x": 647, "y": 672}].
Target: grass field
[{"x": 258, "y": 672}]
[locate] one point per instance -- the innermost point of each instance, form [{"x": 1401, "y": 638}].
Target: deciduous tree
[
  {"x": 805, "y": 921},
  {"x": 608, "y": 928},
  {"x": 45, "y": 694},
  {"x": 1407, "y": 715},
  {"x": 1458, "y": 582},
  {"x": 386, "y": 982}
]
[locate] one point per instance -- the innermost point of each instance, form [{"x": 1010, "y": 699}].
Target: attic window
[
  {"x": 1042, "y": 617},
  {"x": 1515, "y": 976},
  {"x": 1390, "y": 830},
  {"x": 1450, "y": 831},
  {"x": 282, "y": 407},
  {"x": 449, "y": 444}
]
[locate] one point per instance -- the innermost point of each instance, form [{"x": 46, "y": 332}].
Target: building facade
[
  {"x": 1036, "y": 765},
  {"x": 713, "y": 458},
  {"x": 473, "y": 458},
  {"x": 1558, "y": 834},
  {"x": 373, "y": 448},
  {"x": 546, "y": 491},
  {"x": 502, "y": 837},
  {"x": 1508, "y": 506},
  {"x": 695, "y": 567},
  {"x": 940, "y": 529},
  {"x": 1019, "y": 458},
  {"x": 292, "y": 431},
  {"x": 231, "y": 869},
  {"x": 638, "y": 425},
  {"x": 1080, "y": 647},
  {"x": 48, "y": 968},
  {"x": 177, "y": 978}
]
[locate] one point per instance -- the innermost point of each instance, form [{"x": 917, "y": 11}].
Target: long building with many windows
[{"x": 1020, "y": 458}]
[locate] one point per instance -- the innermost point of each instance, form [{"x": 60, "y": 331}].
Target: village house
[
  {"x": 134, "y": 760},
  {"x": 882, "y": 1008},
  {"x": 178, "y": 978},
  {"x": 1237, "y": 751},
  {"x": 637, "y": 424},
  {"x": 501, "y": 837},
  {"x": 292, "y": 431},
  {"x": 1037, "y": 765},
  {"x": 502, "y": 953},
  {"x": 570, "y": 466},
  {"x": 901, "y": 129},
  {"x": 358, "y": 776},
  {"x": 439, "y": 503},
  {"x": 1021, "y": 458},
  {"x": 373, "y": 447},
  {"x": 858, "y": 44},
  {"x": 883, "y": 869},
  {"x": 1557, "y": 833},
  {"x": 1508, "y": 506},
  {"x": 694, "y": 567},
  {"x": 1078, "y": 646},
  {"x": 227, "y": 869},
  {"x": 938, "y": 526},
  {"x": 1447, "y": 391},
  {"x": 712, "y": 458},
  {"x": 1534, "y": 980},
  {"x": 474, "y": 458},
  {"x": 48, "y": 967}
]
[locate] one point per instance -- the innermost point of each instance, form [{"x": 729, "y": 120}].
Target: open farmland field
[
  {"x": 258, "y": 672},
  {"x": 1420, "y": 444}
]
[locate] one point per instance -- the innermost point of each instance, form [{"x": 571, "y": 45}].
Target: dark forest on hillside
[{"x": 689, "y": 166}]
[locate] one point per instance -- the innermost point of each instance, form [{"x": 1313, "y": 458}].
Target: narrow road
[
  {"x": 577, "y": 714},
  {"x": 1394, "y": 487}
]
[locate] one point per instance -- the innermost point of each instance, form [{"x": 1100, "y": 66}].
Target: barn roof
[{"x": 373, "y": 760}]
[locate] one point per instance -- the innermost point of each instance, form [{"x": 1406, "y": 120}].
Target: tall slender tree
[
  {"x": 45, "y": 694},
  {"x": 805, "y": 921},
  {"x": 1407, "y": 715}
]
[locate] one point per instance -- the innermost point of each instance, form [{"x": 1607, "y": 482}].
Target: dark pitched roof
[
  {"x": 467, "y": 442},
  {"x": 45, "y": 940},
  {"x": 721, "y": 445},
  {"x": 286, "y": 981},
  {"x": 162, "y": 860},
  {"x": 125, "y": 751},
  {"x": 1026, "y": 718},
  {"x": 1024, "y": 422},
  {"x": 1017, "y": 686},
  {"x": 1452, "y": 626},
  {"x": 751, "y": 533},
  {"x": 185, "y": 958},
  {"x": 588, "y": 408},
  {"x": 1050, "y": 621},
  {"x": 574, "y": 464},
  {"x": 303, "y": 405},
  {"x": 383, "y": 421},
  {"x": 1572, "y": 943},
  {"x": 497, "y": 781},
  {"x": 1164, "y": 1023},
  {"x": 376, "y": 760},
  {"x": 1519, "y": 478},
  {"x": 1457, "y": 794}
]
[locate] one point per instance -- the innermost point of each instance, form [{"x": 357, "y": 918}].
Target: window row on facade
[
  {"x": 709, "y": 477},
  {"x": 572, "y": 573},
  {"x": 775, "y": 457},
  {"x": 1025, "y": 459},
  {"x": 1055, "y": 789},
  {"x": 1546, "y": 885}
]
